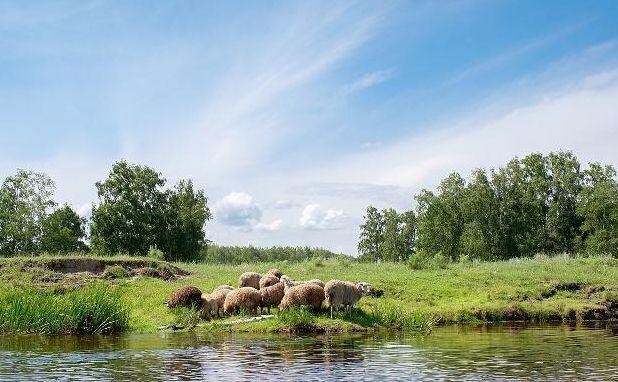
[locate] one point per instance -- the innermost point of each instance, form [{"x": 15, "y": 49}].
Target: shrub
[
  {"x": 156, "y": 253},
  {"x": 96, "y": 309},
  {"x": 115, "y": 272}
]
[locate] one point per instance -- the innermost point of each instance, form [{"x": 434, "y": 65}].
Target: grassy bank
[{"x": 540, "y": 289}]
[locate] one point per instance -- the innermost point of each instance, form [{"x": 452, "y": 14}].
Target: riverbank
[{"x": 534, "y": 290}]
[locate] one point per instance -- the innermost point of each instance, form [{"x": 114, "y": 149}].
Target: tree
[
  {"x": 136, "y": 212},
  {"x": 598, "y": 207},
  {"x": 408, "y": 234},
  {"x": 371, "y": 235},
  {"x": 130, "y": 216},
  {"x": 440, "y": 218},
  {"x": 187, "y": 213},
  {"x": 25, "y": 199},
  {"x": 63, "y": 231}
]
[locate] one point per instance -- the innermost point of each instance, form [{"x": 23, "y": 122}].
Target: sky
[{"x": 295, "y": 116}]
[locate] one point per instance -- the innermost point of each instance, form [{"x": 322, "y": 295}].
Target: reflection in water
[{"x": 471, "y": 353}]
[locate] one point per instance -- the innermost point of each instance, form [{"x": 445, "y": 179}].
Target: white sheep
[
  {"x": 290, "y": 283},
  {"x": 344, "y": 293}
]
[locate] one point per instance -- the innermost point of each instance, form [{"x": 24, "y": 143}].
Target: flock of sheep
[{"x": 273, "y": 289}]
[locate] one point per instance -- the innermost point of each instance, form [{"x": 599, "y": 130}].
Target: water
[{"x": 453, "y": 353}]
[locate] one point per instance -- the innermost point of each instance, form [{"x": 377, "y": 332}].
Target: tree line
[
  {"x": 135, "y": 214},
  {"x": 535, "y": 204},
  {"x": 234, "y": 255}
]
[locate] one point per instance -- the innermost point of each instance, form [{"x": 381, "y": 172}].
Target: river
[{"x": 449, "y": 353}]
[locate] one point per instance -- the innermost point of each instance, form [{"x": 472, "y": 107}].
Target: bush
[
  {"x": 96, "y": 309},
  {"x": 115, "y": 272},
  {"x": 156, "y": 253}
]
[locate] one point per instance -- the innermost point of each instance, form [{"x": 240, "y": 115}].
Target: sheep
[
  {"x": 271, "y": 296},
  {"x": 186, "y": 296},
  {"x": 344, "y": 293},
  {"x": 228, "y": 287},
  {"x": 289, "y": 283},
  {"x": 219, "y": 295},
  {"x": 245, "y": 298},
  {"x": 308, "y": 294},
  {"x": 268, "y": 280},
  {"x": 275, "y": 272},
  {"x": 249, "y": 279},
  {"x": 209, "y": 306}
]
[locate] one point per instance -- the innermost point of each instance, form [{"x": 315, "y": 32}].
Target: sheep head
[{"x": 364, "y": 287}]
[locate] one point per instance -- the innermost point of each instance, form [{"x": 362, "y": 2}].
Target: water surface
[{"x": 450, "y": 353}]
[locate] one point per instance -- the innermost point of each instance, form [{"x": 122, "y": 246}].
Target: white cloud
[
  {"x": 314, "y": 217},
  {"x": 284, "y": 204},
  {"x": 275, "y": 225},
  {"x": 238, "y": 209}
]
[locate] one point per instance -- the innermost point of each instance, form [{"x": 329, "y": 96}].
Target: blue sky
[{"x": 294, "y": 116}]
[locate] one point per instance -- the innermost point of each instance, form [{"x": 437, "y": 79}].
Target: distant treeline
[
  {"x": 219, "y": 254},
  {"x": 536, "y": 204}
]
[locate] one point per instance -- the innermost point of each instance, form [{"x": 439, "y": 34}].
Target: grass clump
[
  {"x": 115, "y": 272},
  {"x": 295, "y": 317},
  {"x": 96, "y": 309}
]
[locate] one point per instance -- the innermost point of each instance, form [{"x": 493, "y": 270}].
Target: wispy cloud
[{"x": 368, "y": 80}]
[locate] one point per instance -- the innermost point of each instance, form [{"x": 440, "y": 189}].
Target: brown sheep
[
  {"x": 344, "y": 293},
  {"x": 271, "y": 296},
  {"x": 228, "y": 287},
  {"x": 245, "y": 298},
  {"x": 219, "y": 295},
  {"x": 185, "y": 296},
  {"x": 309, "y": 294},
  {"x": 268, "y": 280},
  {"x": 209, "y": 306},
  {"x": 275, "y": 272},
  {"x": 249, "y": 279}
]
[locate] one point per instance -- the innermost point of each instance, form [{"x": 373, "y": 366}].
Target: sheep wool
[
  {"x": 309, "y": 294},
  {"x": 185, "y": 296},
  {"x": 249, "y": 279},
  {"x": 245, "y": 298},
  {"x": 268, "y": 280},
  {"x": 228, "y": 287},
  {"x": 275, "y": 272},
  {"x": 272, "y": 295},
  {"x": 219, "y": 295},
  {"x": 209, "y": 306},
  {"x": 343, "y": 293}
]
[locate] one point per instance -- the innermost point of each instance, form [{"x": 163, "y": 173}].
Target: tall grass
[{"x": 91, "y": 310}]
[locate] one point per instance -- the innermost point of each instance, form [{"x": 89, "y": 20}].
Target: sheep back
[
  {"x": 219, "y": 296},
  {"x": 272, "y": 295},
  {"x": 268, "y": 280},
  {"x": 308, "y": 294},
  {"x": 275, "y": 272},
  {"x": 185, "y": 296},
  {"x": 242, "y": 298},
  {"x": 339, "y": 293},
  {"x": 249, "y": 279}
]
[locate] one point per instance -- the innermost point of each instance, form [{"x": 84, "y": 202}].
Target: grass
[
  {"x": 539, "y": 289},
  {"x": 95, "y": 309}
]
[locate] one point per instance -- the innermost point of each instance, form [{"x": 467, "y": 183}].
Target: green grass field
[{"x": 540, "y": 289}]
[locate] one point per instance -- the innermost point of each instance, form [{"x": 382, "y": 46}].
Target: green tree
[
  {"x": 135, "y": 212},
  {"x": 408, "y": 234},
  {"x": 371, "y": 235},
  {"x": 63, "y": 231},
  {"x": 130, "y": 216},
  {"x": 393, "y": 246},
  {"x": 440, "y": 218},
  {"x": 25, "y": 199},
  {"x": 563, "y": 222},
  {"x": 598, "y": 207},
  {"x": 187, "y": 214}
]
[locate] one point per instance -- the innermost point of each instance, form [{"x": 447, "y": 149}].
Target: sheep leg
[{"x": 331, "y": 311}]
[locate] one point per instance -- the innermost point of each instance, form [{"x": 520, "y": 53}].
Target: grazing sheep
[
  {"x": 219, "y": 295},
  {"x": 289, "y": 283},
  {"x": 275, "y": 272},
  {"x": 271, "y": 296},
  {"x": 249, "y": 279},
  {"x": 245, "y": 298},
  {"x": 344, "y": 293},
  {"x": 268, "y": 280},
  {"x": 186, "y": 296},
  {"x": 308, "y": 294},
  {"x": 228, "y": 287},
  {"x": 209, "y": 306}
]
